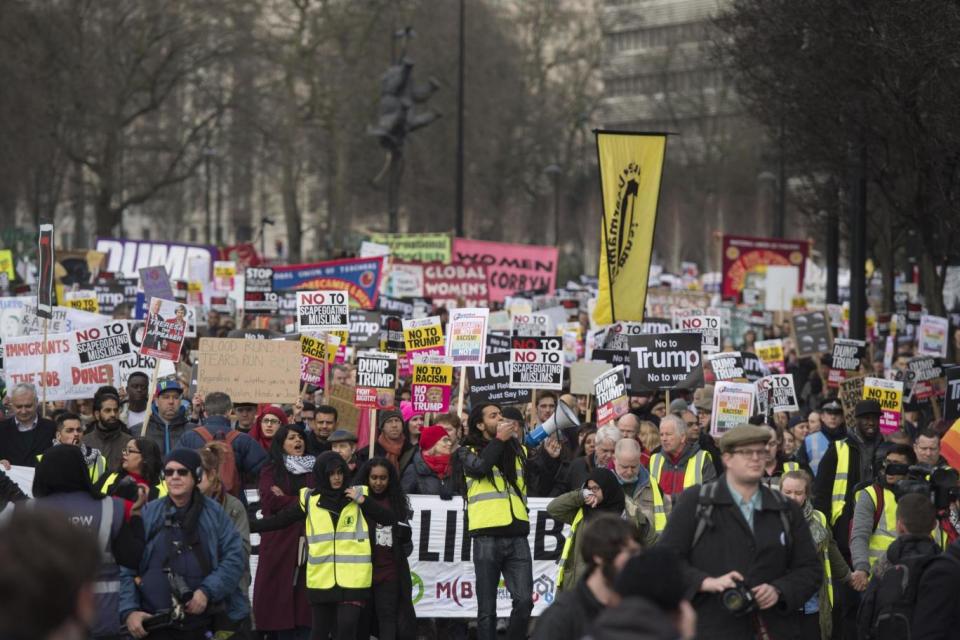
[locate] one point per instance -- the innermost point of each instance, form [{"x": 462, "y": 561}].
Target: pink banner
[{"x": 510, "y": 267}]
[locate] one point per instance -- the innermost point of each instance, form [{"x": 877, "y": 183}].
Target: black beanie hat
[
  {"x": 667, "y": 591},
  {"x": 383, "y": 416},
  {"x": 62, "y": 469},
  {"x": 188, "y": 458}
]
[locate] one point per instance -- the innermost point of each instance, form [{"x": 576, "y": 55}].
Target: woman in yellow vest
[
  {"x": 600, "y": 494},
  {"x": 339, "y": 522},
  {"x": 141, "y": 465},
  {"x": 818, "y": 611}
]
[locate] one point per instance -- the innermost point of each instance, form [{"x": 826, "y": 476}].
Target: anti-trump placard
[
  {"x": 727, "y": 365},
  {"x": 664, "y": 362},
  {"x": 889, "y": 393},
  {"x": 537, "y": 363},
  {"x": 376, "y": 380},
  {"x": 770, "y": 353},
  {"x": 610, "y": 388},
  {"x": 490, "y": 382},
  {"x": 323, "y": 311},
  {"x": 423, "y": 337},
  {"x": 430, "y": 387},
  {"x": 314, "y": 352},
  {"x": 707, "y": 326}
]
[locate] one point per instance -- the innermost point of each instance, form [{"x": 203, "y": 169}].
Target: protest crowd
[{"x": 330, "y": 451}]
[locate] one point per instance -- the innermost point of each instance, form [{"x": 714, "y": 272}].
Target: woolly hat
[
  {"x": 429, "y": 436},
  {"x": 666, "y": 591},
  {"x": 383, "y": 416},
  {"x": 189, "y": 459},
  {"x": 406, "y": 410}
]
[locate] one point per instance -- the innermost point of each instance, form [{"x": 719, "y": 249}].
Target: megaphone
[{"x": 562, "y": 418}]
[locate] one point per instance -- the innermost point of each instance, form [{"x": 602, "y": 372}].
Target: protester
[
  {"x": 679, "y": 465},
  {"x": 648, "y": 609},
  {"x": 820, "y": 441},
  {"x": 431, "y": 472},
  {"x": 134, "y": 410},
  {"x": 141, "y": 466},
  {"x": 279, "y": 601},
  {"x": 936, "y": 615},
  {"x": 49, "y": 568},
  {"x": 587, "y": 442},
  {"x": 194, "y": 556},
  {"x": 746, "y": 531},
  {"x": 493, "y": 462},
  {"x": 608, "y": 541},
  {"x": 895, "y": 586},
  {"x": 108, "y": 433},
  {"x": 339, "y": 520},
  {"x": 246, "y": 413},
  {"x": 649, "y": 438},
  {"x": 268, "y": 421},
  {"x": 641, "y": 492},
  {"x": 344, "y": 444},
  {"x": 776, "y": 465},
  {"x": 412, "y": 422},
  {"x": 168, "y": 421},
  {"x": 577, "y": 472},
  {"x": 629, "y": 426},
  {"x": 927, "y": 449},
  {"x": 62, "y": 483},
  {"x": 818, "y": 610},
  {"x": 69, "y": 432},
  {"x": 24, "y": 435},
  {"x": 600, "y": 494},
  {"x": 248, "y": 456},
  {"x": 324, "y": 424},
  {"x": 391, "y": 442},
  {"x": 392, "y": 584}
]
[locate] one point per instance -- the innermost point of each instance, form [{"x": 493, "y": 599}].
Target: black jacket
[
  {"x": 420, "y": 479},
  {"x": 635, "y": 618},
  {"x": 570, "y": 615},
  {"x": 936, "y": 615},
  {"x": 572, "y": 476},
  {"x": 9, "y": 491},
  {"x": 765, "y": 555},
  {"x": 22, "y": 448}
]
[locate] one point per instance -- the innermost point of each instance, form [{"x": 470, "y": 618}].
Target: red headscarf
[{"x": 257, "y": 433}]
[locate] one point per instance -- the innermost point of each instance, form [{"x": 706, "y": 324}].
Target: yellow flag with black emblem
[{"x": 631, "y": 165}]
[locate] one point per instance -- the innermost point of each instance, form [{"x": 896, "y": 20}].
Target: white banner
[
  {"x": 66, "y": 378},
  {"x": 444, "y": 584}
]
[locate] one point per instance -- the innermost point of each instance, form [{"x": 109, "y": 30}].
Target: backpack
[
  {"x": 223, "y": 442},
  {"x": 886, "y": 609},
  {"x": 705, "y": 502}
]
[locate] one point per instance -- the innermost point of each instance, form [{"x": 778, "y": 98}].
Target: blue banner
[{"x": 359, "y": 277}]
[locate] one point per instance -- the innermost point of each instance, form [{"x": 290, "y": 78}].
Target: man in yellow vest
[
  {"x": 493, "y": 462},
  {"x": 641, "y": 491},
  {"x": 679, "y": 465},
  {"x": 875, "y": 514},
  {"x": 70, "y": 431}
]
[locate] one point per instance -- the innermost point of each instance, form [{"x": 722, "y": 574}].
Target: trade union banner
[
  {"x": 510, "y": 267},
  {"x": 630, "y": 169},
  {"x": 742, "y": 254},
  {"x": 359, "y": 277}
]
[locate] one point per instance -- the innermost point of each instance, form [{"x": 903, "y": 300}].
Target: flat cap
[
  {"x": 743, "y": 434},
  {"x": 703, "y": 398},
  {"x": 867, "y": 408},
  {"x": 341, "y": 435}
]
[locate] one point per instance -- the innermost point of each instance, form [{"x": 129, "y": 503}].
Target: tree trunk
[
  {"x": 932, "y": 285},
  {"x": 291, "y": 209}
]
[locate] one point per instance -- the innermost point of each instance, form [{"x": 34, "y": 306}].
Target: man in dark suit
[{"x": 25, "y": 435}]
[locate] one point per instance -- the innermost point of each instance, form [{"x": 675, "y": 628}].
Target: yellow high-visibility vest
[
  {"x": 839, "y": 495},
  {"x": 96, "y": 470},
  {"x": 112, "y": 478},
  {"x": 886, "y": 531},
  {"x": 659, "y": 510},
  {"x": 496, "y": 503},
  {"x": 336, "y": 555},
  {"x": 568, "y": 546},
  {"x": 791, "y": 466},
  {"x": 692, "y": 473}
]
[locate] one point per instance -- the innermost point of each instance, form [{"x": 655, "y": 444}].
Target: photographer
[
  {"x": 746, "y": 551},
  {"x": 192, "y": 565},
  {"x": 875, "y": 514}
]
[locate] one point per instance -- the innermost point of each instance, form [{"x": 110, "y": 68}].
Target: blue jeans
[{"x": 510, "y": 556}]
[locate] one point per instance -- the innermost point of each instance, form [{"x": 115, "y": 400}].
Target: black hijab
[
  {"x": 613, "y": 499},
  {"x": 331, "y": 499},
  {"x": 63, "y": 469}
]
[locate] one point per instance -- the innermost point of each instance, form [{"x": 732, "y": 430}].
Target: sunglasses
[{"x": 183, "y": 473}]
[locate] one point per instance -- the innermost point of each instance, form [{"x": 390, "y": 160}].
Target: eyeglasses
[
  {"x": 183, "y": 473},
  {"x": 752, "y": 453},
  {"x": 269, "y": 421},
  {"x": 129, "y": 451}
]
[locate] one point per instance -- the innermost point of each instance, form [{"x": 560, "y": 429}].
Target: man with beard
[
  {"x": 109, "y": 434},
  {"x": 135, "y": 409}
]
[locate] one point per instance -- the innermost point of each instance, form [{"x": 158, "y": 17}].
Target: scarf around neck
[
  {"x": 392, "y": 449},
  {"x": 299, "y": 465},
  {"x": 90, "y": 454},
  {"x": 440, "y": 465},
  {"x": 817, "y": 531}
]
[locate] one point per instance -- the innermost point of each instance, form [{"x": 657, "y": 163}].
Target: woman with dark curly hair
[
  {"x": 392, "y": 588},
  {"x": 288, "y": 471}
]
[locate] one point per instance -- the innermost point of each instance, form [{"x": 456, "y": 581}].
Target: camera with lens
[
  {"x": 738, "y": 599},
  {"x": 941, "y": 485}
]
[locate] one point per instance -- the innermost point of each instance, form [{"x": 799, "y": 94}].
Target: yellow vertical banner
[{"x": 631, "y": 165}]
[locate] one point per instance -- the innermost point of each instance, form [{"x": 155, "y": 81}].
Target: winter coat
[
  {"x": 565, "y": 509},
  {"x": 764, "y": 555},
  {"x": 110, "y": 443},
  {"x": 224, "y": 552},
  {"x": 277, "y": 604},
  {"x": 420, "y": 479},
  {"x": 936, "y": 615},
  {"x": 22, "y": 448},
  {"x": 572, "y": 475},
  {"x": 167, "y": 436},
  {"x": 570, "y": 615}
]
